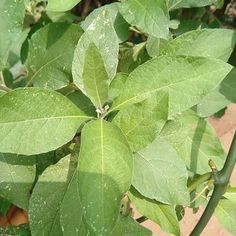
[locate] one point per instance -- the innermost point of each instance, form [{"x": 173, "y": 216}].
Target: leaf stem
[
  {"x": 4, "y": 88},
  {"x": 221, "y": 180}
]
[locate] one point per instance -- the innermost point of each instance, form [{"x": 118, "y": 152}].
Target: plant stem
[
  {"x": 221, "y": 179},
  {"x": 4, "y": 88}
]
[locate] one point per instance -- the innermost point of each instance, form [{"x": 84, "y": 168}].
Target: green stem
[
  {"x": 221, "y": 179},
  {"x": 4, "y": 88},
  {"x": 198, "y": 181}
]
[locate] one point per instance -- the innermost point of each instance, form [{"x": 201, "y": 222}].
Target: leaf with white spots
[
  {"x": 35, "y": 120},
  {"x": 12, "y": 14},
  {"x": 120, "y": 25},
  {"x": 198, "y": 43},
  {"x": 17, "y": 175},
  {"x": 141, "y": 122},
  {"x": 71, "y": 213},
  {"x": 101, "y": 32},
  {"x": 48, "y": 195},
  {"x": 127, "y": 226},
  {"x": 186, "y": 79},
  {"x": 51, "y": 51},
  {"x": 104, "y": 174},
  {"x": 150, "y": 16},
  {"x": 95, "y": 76}
]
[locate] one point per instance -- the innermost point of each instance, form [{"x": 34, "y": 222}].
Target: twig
[{"x": 221, "y": 180}]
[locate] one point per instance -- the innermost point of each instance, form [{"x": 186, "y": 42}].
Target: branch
[{"x": 221, "y": 180}]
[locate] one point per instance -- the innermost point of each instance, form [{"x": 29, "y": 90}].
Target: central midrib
[{"x": 45, "y": 118}]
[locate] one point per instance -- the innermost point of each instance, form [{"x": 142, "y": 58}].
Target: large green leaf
[
  {"x": 174, "y": 4},
  {"x": 150, "y": 16},
  {"x": 17, "y": 175},
  {"x": 161, "y": 214},
  {"x": 35, "y": 120},
  {"x": 141, "y": 122},
  {"x": 160, "y": 174},
  {"x": 60, "y": 5},
  {"x": 51, "y": 51},
  {"x": 47, "y": 197},
  {"x": 95, "y": 78},
  {"x": 120, "y": 25},
  {"x": 220, "y": 97},
  {"x": 11, "y": 17},
  {"x": 187, "y": 79},
  {"x": 195, "y": 141},
  {"x": 212, "y": 103},
  {"x": 126, "y": 226},
  {"x": 105, "y": 165},
  {"x": 71, "y": 213},
  {"x": 225, "y": 213},
  {"x": 198, "y": 43},
  {"x": 102, "y": 33}
]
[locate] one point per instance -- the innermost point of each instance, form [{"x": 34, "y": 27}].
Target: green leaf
[
  {"x": 154, "y": 45},
  {"x": 152, "y": 165},
  {"x": 11, "y": 16},
  {"x": 83, "y": 103},
  {"x": 60, "y": 5},
  {"x": 48, "y": 195},
  {"x": 141, "y": 122},
  {"x": 198, "y": 43},
  {"x": 161, "y": 214},
  {"x": 102, "y": 33},
  {"x": 225, "y": 213},
  {"x": 95, "y": 77},
  {"x": 228, "y": 86},
  {"x": 212, "y": 103},
  {"x": 174, "y": 4},
  {"x": 105, "y": 165},
  {"x": 51, "y": 53},
  {"x": 42, "y": 120},
  {"x": 150, "y": 16},
  {"x": 187, "y": 79},
  {"x": 127, "y": 226},
  {"x": 220, "y": 97},
  {"x": 22, "y": 230},
  {"x": 131, "y": 56},
  {"x": 230, "y": 194},
  {"x": 4, "y": 206},
  {"x": 71, "y": 212},
  {"x": 17, "y": 176},
  {"x": 195, "y": 141},
  {"x": 120, "y": 25},
  {"x": 117, "y": 85}
]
